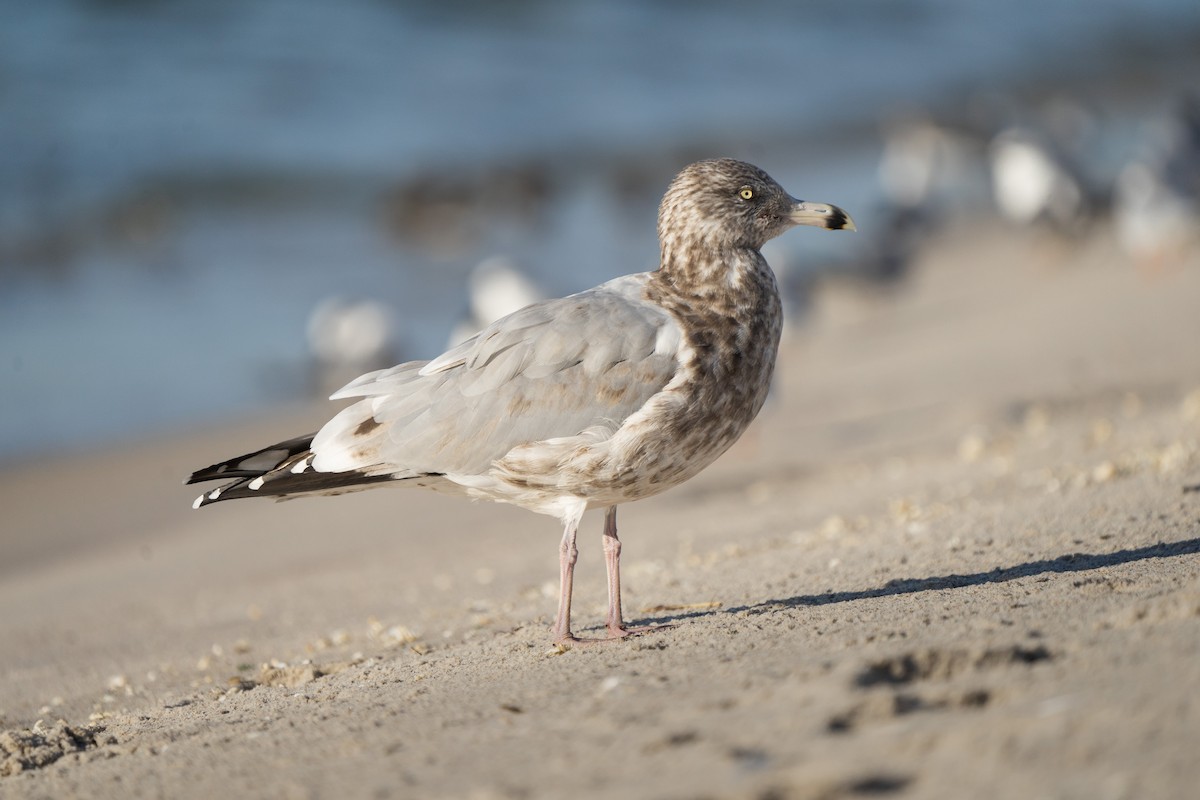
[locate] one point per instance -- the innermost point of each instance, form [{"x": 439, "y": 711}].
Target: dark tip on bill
[{"x": 839, "y": 220}]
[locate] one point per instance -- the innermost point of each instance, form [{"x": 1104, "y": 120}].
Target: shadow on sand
[{"x": 1072, "y": 562}]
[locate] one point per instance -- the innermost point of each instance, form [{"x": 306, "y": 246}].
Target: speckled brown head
[{"x": 722, "y": 204}]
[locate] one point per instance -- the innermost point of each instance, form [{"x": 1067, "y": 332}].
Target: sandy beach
[{"x": 958, "y": 555}]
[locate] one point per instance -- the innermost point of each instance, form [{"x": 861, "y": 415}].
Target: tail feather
[
  {"x": 254, "y": 464},
  {"x": 278, "y": 471}
]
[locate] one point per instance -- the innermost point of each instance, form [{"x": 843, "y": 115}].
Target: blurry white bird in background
[
  {"x": 347, "y": 337},
  {"x": 929, "y": 167},
  {"x": 496, "y": 288},
  {"x": 1035, "y": 183},
  {"x": 1156, "y": 202}
]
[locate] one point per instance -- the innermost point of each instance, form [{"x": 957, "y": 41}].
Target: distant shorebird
[
  {"x": 497, "y": 287},
  {"x": 1156, "y": 207},
  {"x": 1033, "y": 182},
  {"x": 346, "y": 337},
  {"x": 927, "y": 165},
  {"x": 606, "y": 396}
]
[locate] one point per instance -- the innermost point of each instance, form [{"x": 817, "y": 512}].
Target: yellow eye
[{"x": 746, "y": 193}]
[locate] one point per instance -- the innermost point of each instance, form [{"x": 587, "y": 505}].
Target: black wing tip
[
  {"x": 253, "y": 464},
  {"x": 208, "y": 474},
  {"x": 206, "y": 498},
  {"x": 226, "y": 491},
  {"x": 286, "y": 483}
]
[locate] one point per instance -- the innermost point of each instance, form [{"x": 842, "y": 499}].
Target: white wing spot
[
  {"x": 199, "y": 501},
  {"x": 667, "y": 340},
  {"x": 256, "y": 484}
]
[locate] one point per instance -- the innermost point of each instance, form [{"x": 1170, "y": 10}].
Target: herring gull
[{"x": 610, "y": 395}]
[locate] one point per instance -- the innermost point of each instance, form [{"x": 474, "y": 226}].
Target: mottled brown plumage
[{"x": 600, "y": 398}]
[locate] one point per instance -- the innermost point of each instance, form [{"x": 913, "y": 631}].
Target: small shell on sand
[
  {"x": 903, "y": 510},
  {"x": 288, "y": 676},
  {"x": 971, "y": 447},
  {"x": 1172, "y": 457},
  {"x": 389, "y": 636},
  {"x": 1189, "y": 409},
  {"x": 1104, "y": 471}
]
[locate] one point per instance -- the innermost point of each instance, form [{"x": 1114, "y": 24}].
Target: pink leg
[
  {"x": 612, "y": 560},
  {"x": 568, "y": 554}
]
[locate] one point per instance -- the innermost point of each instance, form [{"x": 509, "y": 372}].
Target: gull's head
[{"x": 728, "y": 203}]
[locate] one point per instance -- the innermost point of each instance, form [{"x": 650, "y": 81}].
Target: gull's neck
[{"x": 719, "y": 273}]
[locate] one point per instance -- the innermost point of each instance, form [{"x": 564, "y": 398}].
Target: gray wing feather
[{"x": 550, "y": 370}]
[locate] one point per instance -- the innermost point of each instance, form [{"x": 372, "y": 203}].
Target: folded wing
[{"x": 553, "y": 369}]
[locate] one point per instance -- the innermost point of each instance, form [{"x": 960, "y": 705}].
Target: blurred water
[{"x": 182, "y": 182}]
